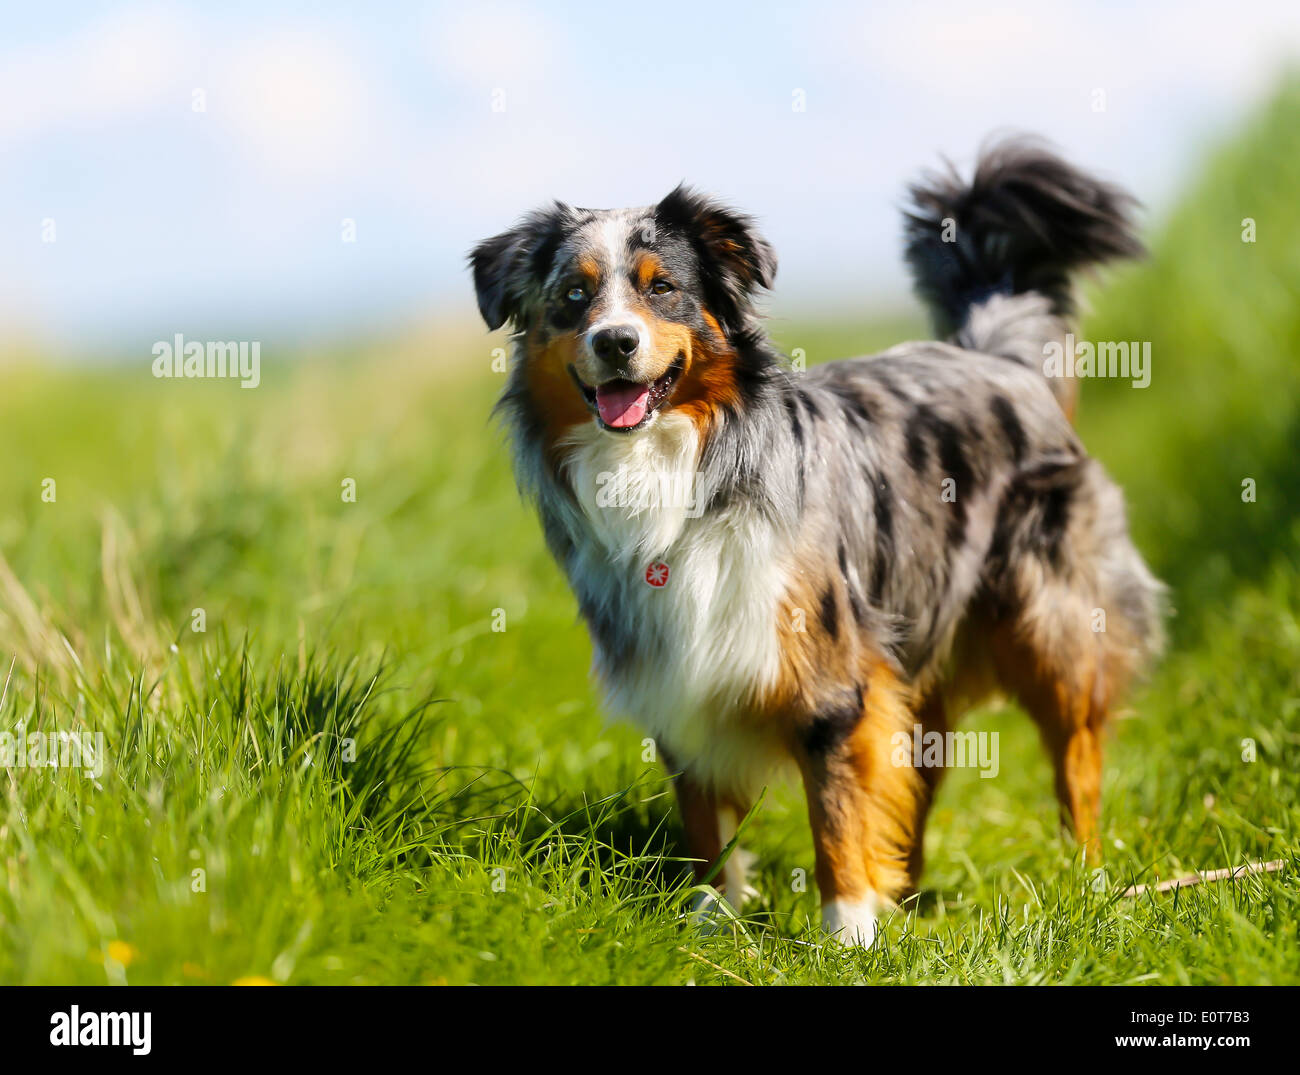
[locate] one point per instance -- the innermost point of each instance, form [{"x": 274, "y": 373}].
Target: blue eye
[{"x": 575, "y": 294}]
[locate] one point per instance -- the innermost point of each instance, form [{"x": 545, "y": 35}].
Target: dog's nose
[{"x": 616, "y": 343}]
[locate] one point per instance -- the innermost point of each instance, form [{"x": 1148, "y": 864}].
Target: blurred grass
[
  {"x": 1223, "y": 406},
  {"x": 378, "y": 786}
]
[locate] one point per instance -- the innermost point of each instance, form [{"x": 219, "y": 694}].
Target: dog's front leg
[
  {"x": 709, "y": 822},
  {"x": 703, "y": 836},
  {"x": 863, "y": 807}
]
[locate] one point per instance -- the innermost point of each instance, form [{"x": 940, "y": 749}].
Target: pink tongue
[{"x": 622, "y": 403}]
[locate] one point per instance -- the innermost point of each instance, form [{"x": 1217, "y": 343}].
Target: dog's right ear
[
  {"x": 735, "y": 260},
  {"x": 509, "y": 268}
]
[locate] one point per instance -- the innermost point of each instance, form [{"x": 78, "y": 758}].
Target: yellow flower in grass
[
  {"x": 121, "y": 952},
  {"x": 254, "y": 979}
]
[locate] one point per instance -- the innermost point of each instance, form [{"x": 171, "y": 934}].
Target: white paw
[
  {"x": 852, "y": 922},
  {"x": 735, "y": 872}
]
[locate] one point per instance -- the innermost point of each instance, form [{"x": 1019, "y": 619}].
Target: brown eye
[{"x": 661, "y": 287}]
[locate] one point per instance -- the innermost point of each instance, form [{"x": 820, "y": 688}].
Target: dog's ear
[
  {"x": 509, "y": 268},
  {"x": 735, "y": 259}
]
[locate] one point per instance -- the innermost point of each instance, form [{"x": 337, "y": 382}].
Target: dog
[{"x": 788, "y": 569}]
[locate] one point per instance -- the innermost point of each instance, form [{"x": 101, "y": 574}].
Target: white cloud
[
  {"x": 482, "y": 47},
  {"x": 950, "y": 48},
  {"x": 298, "y": 101},
  {"x": 121, "y": 65}
]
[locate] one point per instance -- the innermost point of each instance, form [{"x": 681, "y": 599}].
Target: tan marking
[
  {"x": 708, "y": 381},
  {"x": 811, "y": 657},
  {"x": 557, "y": 399},
  {"x": 647, "y": 268}
]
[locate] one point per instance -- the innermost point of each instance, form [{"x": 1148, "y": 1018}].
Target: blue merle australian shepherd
[{"x": 782, "y": 567}]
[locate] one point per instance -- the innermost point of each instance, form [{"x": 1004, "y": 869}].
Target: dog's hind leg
[
  {"x": 967, "y": 681},
  {"x": 932, "y": 716},
  {"x": 1082, "y": 616},
  {"x": 1063, "y": 688}
]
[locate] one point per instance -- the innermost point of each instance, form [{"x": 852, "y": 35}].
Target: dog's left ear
[
  {"x": 735, "y": 258},
  {"x": 509, "y": 268}
]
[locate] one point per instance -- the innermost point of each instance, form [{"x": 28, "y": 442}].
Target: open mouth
[{"x": 626, "y": 406}]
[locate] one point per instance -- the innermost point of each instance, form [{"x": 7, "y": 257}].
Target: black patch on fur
[
  {"x": 953, "y": 461},
  {"x": 923, "y": 425},
  {"x": 796, "y": 427},
  {"x": 1034, "y": 515},
  {"x": 918, "y": 455},
  {"x": 883, "y": 507},
  {"x": 830, "y": 613},
  {"x": 832, "y": 725},
  {"x": 1056, "y": 517},
  {"x": 884, "y": 512},
  {"x": 1004, "y": 528},
  {"x": 1005, "y": 413}
]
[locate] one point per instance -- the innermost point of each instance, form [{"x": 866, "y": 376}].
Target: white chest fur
[{"x": 716, "y": 617}]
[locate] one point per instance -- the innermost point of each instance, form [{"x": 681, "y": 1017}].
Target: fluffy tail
[{"x": 993, "y": 258}]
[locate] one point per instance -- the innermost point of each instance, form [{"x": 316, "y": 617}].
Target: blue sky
[{"x": 229, "y": 221}]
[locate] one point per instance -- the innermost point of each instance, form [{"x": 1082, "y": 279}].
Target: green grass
[{"x": 376, "y": 785}]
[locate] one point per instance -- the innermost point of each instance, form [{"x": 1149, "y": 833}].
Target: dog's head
[{"x": 626, "y": 311}]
